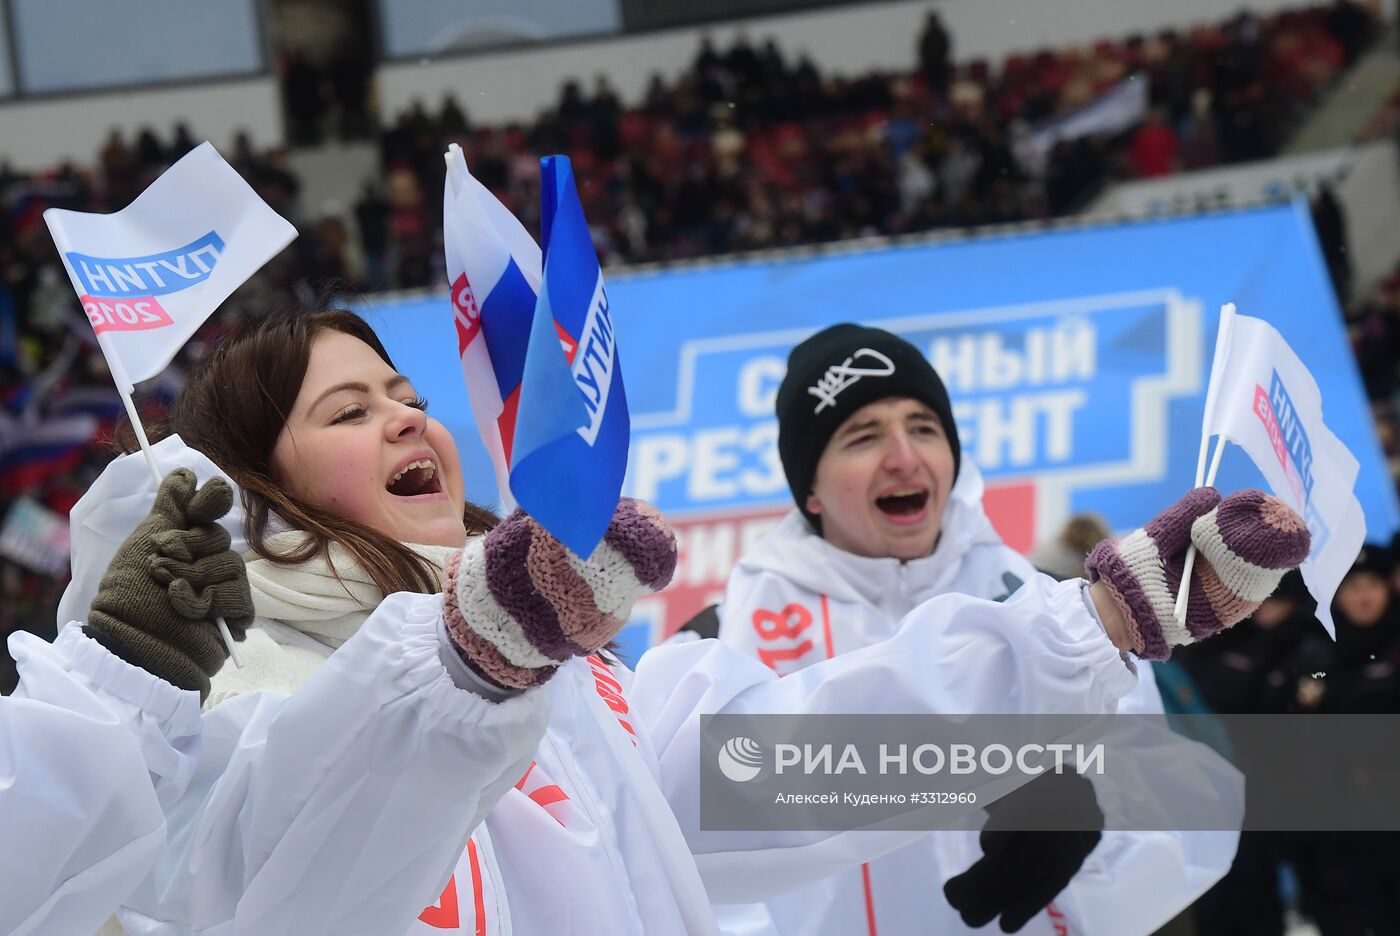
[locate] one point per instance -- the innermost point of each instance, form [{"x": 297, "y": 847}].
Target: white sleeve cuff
[{"x": 461, "y": 674}]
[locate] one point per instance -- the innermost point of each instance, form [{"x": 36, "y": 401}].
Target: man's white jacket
[
  {"x": 795, "y": 601},
  {"x": 382, "y": 797}
]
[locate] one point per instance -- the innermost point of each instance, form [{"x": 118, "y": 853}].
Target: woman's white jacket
[{"x": 89, "y": 750}]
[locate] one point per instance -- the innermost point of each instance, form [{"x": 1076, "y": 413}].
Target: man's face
[{"x": 883, "y": 481}]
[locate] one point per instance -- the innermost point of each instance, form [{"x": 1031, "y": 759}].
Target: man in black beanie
[
  {"x": 877, "y": 485},
  {"x": 889, "y": 515}
]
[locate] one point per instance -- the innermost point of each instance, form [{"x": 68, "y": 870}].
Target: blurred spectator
[
  {"x": 149, "y": 153},
  {"x": 302, "y": 99},
  {"x": 1395, "y": 563},
  {"x": 323, "y": 252},
  {"x": 1251, "y": 669},
  {"x": 372, "y": 220},
  {"x": 1330, "y": 222},
  {"x": 408, "y": 223},
  {"x": 1154, "y": 148},
  {"x": 1077, "y": 171},
  {"x": 1359, "y": 673},
  {"x": 1375, "y": 338},
  {"x": 277, "y": 183},
  {"x": 935, "y": 53},
  {"x": 1351, "y": 25},
  {"x": 1199, "y": 143},
  {"x": 243, "y": 158},
  {"x": 349, "y": 74},
  {"x": 452, "y": 120},
  {"x": 182, "y": 143},
  {"x": 1063, "y": 557}
]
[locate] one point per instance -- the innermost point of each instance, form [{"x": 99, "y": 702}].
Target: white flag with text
[
  {"x": 1267, "y": 402},
  {"x": 149, "y": 275}
]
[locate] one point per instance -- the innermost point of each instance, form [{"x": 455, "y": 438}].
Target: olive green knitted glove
[{"x": 174, "y": 574}]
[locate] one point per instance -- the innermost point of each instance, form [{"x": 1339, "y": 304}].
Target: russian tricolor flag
[
  {"x": 493, "y": 267},
  {"x": 538, "y": 350},
  {"x": 32, "y": 453}
]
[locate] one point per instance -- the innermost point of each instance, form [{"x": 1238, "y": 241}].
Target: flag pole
[
  {"x": 1201, "y": 456},
  {"x": 1223, "y": 331},
  {"x": 125, "y": 388},
  {"x": 1183, "y": 592}
]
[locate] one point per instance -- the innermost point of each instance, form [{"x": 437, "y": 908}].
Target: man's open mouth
[
  {"x": 418, "y": 477},
  {"x": 903, "y": 503}
]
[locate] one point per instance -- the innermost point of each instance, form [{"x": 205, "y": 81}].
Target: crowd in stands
[
  {"x": 752, "y": 148},
  {"x": 748, "y": 147}
]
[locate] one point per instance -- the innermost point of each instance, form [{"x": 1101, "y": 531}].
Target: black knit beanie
[
  {"x": 836, "y": 372},
  {"x": 1373, "y": 558}
]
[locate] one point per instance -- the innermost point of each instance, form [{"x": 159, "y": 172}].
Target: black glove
[
  {"x": 1022, "y": 871},
  {"x": 174, "y": 574}
]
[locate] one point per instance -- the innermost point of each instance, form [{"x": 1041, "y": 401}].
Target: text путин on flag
[{"x": 572, "y": 429}]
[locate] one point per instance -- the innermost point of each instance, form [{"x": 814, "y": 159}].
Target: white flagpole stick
[
  {"x": 125, "y": 389},
  {"x": 1215, "y": 462},
  {"x": 1223, "y": 331},
  {"x": 1183, "y": 593},
  {"x": 1201, "y": 458}
]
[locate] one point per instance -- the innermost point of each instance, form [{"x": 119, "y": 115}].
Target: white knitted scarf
[
  {"x": 304, "y": 612},
  {"x": 326, "y": 599}
]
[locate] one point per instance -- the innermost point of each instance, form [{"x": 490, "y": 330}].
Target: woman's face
[{"x": 359, "y": 444}]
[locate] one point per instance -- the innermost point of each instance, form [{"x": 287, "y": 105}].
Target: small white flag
[
  {"x": 1267, "y": 402},
  {"x": 149, "y": 275}
]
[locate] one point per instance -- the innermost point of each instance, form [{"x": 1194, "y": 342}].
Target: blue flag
[{"x": 572, "y": 428}]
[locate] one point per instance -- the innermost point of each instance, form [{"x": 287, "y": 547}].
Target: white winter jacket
[
  {"x": 89, "y": 748},
  {"x": 795, "y": 600},
  {"x": 345, "y": 807}
]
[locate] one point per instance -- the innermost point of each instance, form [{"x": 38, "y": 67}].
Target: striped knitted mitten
[
  {"x": 1245, "y": 544},
  {"x": 518, "y": 602}
]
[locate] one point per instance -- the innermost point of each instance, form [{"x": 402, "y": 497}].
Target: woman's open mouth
[{"x": 415, "y": 479}]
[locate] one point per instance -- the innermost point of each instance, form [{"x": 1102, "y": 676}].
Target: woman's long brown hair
[{"x": 233, "y": 408}]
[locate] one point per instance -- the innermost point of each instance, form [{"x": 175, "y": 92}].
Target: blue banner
[{"x": 1076, "y": 359}]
